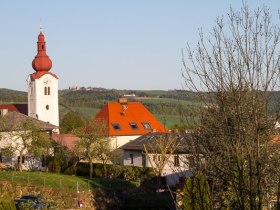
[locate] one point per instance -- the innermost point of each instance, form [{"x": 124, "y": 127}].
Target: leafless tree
[
  {"x": 94, "y": 145},
  {"x": 158, "y": 152},
  {"x": 235, "y": 72}
]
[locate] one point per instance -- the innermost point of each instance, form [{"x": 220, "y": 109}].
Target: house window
[
  {"x": 191, "y": 161},
  {"x": 146, "y": 125},
  {"x": 131, "y": 158},
  {"x": 143, "y": 160},
  {"x": 134, "y": 126},
  {"x": 176, "y": 161},
  {"x": 156, "y": 158},
  {"x": 47, "y": 107},
  {"x": 22, "y": 161},
  {"x": 43, "y": 161},
  {"x": 116, "y": 126},
  {"x": 49, "y": 90}
]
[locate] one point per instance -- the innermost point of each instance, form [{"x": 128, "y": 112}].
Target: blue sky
[{"x": 122, "y": 44}]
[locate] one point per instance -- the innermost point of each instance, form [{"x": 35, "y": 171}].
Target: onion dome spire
[{"x": 41, "y": 62}]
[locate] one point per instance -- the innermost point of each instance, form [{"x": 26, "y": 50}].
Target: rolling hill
[{"x": 167, "y": 106}]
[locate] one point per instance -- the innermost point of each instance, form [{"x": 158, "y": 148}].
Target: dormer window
[
  {"x": 134, "y": 126},
  {"x": 116, "y": 126},
  {"x": 146, "y": 125}
]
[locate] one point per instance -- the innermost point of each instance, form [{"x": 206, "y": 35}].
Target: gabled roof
[
  {"x": 13, "y": 120},
  {"x": 21, "y": 108},
  {"x": 150, "y": 140},
  {"x": 67, "y": 140},
  {"x": 138, "y": 144},
  {"x": 128, "y": 118}
]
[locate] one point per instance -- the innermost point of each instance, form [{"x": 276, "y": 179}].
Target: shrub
[
  {"x": 98, "y": 172},
  {"x": 55, "y": 165},
  {"x": 82, "y": 169},
  {"x": 115, "y": 171},
  {"x": 69, "y": 171},
  {"x": 7, "y": 205}
]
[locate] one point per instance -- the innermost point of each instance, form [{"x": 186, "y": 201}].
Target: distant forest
[
  {"x": 168, "y": 106},
  {"x": 171, "y": 102}
]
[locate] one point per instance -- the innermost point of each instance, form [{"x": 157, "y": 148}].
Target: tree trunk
[
  {"x": 90, "y": 169},
  {"x": 278, "y": 195},
  {"x": 159, "y": 180},
  {"x": 20, "y": 161},
  {"x": 75, "y": 167},
  {"x": 105, "y": 169}
]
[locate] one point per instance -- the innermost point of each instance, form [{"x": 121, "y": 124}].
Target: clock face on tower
[{"x": 47, "y": 81}]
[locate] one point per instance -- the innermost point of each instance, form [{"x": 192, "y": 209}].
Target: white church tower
[{"x": 43, "y": 87}]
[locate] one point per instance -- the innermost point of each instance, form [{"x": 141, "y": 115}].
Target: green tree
[
  {"x": 40, "y": 147},
  {"x": 106, "y": 154},
  {"x": 93, "y": 137},
  {"x": 26, "y": 138},
  {"x": 238, "y": 66},
  {"x": 70, "y": 122},
  {"x": 196, "y": 193},
  {"x": 63, "y": 159}
]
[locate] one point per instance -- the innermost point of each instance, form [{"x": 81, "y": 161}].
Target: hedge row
[{"x": 112, "y": 171}]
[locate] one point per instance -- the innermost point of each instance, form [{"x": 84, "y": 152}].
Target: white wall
[
  {"x": 11, "y": 139},
  {"x": 137, "y": 158},
  {"x": 171, "y": 172},
  {"x": 38, "y": 101},
  {"x": 118, "y": 141}
]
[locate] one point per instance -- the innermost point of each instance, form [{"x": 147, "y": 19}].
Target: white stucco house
[
  {"x": 11, "y": 129},
  {"x": 179, "y": 161}
]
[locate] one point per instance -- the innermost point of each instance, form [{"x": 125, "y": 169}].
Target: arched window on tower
[{"x": 47, "y": 90}]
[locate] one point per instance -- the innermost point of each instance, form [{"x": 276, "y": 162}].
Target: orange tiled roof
[
  {"x": 39, "y": 74},
  {"x": 67, "y": 140},
  {"x": 126, "y": 116}
]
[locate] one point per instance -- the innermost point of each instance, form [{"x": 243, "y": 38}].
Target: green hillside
[
  {"x": 12, "y": 96},
  {"x": 165, "y": 105}
]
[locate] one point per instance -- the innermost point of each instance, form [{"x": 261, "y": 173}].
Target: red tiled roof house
[{"x": 127, "y": 121}]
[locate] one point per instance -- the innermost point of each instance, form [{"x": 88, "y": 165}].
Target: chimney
[
  {"x": 3, "y": 112},
  {"x": 122, "y": 100}
]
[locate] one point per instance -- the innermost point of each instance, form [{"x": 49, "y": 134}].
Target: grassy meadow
[{"x": 64, "y": 182}]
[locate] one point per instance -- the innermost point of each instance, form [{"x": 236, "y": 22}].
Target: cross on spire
[{"x": 41, "y": 26}]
